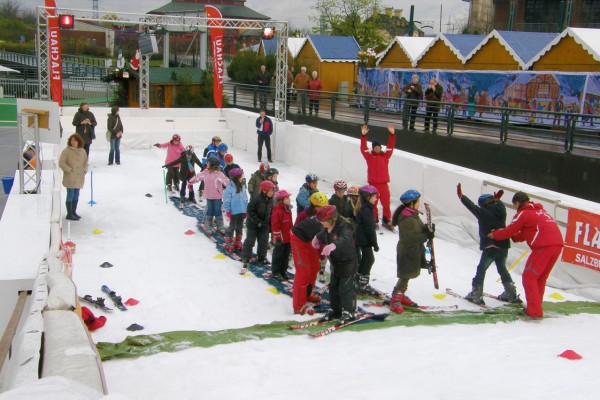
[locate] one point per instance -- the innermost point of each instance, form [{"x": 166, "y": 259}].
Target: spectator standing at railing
[
  {"x": 300, "y": 84},
  {"x": 264, "y": 129},
  {"x": 315, "y": 86},
  {"x": 413, "y": 92},
  {"x": 85, "y": 123},
  {"x": 433, "y": 95},
  {"x": 263, "y": 80},
  {"x": 290, "y": 87}
]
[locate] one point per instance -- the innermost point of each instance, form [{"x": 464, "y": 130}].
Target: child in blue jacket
[{"x": 235, "y": 204}]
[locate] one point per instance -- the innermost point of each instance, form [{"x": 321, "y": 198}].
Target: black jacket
[
  {"x": 263, "y": 79},
  {"x": 86, "y": 131},
  {"x": 184, "y": 169},
  {"x": 491, "y": 217},
  {"x": 341, "y": 203},
  {"x": 343, "y": 259},
  {"x": 114, "y": 125},
  {"x": 229, "y": 168},
  {"x": 259, "y": 211},
  {"x": 365, "y": 226},
  {"x": 307, "y": 229}
]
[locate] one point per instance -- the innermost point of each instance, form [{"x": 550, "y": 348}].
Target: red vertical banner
[
  {"x": 54, "y": 57},
  {"x": 216, "y": 34},
  {"x": 582, "y": 240}
]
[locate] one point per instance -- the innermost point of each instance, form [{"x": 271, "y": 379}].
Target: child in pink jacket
[
  {"x": 214, "y": 183},
  {"x": 174, "y": 150}
]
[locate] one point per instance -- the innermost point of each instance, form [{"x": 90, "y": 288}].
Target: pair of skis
[
  {"x": 432, "y": 265},
  {"x": 338, "y": 326},
  {"x": 99, "y": 302}
]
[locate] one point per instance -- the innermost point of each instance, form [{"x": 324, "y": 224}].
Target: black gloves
[
  {"x": 165, "y": 166},
  {"x": 376, "y": 248},
  {"x": 156, "y": 145},
  {"x": 430, "y": 232}
]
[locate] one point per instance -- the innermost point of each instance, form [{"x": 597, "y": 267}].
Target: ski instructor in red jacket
[
  {"x": 534, "y": 225},
  {"x": 378, "y": 171}
]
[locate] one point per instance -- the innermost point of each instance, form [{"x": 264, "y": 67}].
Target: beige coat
[{"x": 74, "y": 165}]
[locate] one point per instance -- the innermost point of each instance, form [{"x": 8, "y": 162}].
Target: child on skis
[
  {"x": 307, "y": 263},
  {"x": 340, "y": 200},
  {"x": 257, "y": 177},
  {"x": 187, "y": 160},
  {"x": 366, "y": 237},
  {"x": 229, "y": 164},
  {"x": 336, "y": 242},
  {"x": 410, "y": 250},
  {"x": 490, "y": 214},
  {"x": 214, "y": 179},
  {"x": 351, "y": 204},
  {"x": 174, "y": 150},
  {"x": 281, "y": 226},
  {"x": 258, "y": 224},
  {"x": 317, "y": 200},
  {"x": 214, "y": 143},
  {"x": 306, "y": 190},
  {"x": 271, "y": 175},
  {"x": 235, "y": 204}
]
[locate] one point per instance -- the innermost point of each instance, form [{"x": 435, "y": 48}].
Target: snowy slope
[{"x": 182, "y": 286}]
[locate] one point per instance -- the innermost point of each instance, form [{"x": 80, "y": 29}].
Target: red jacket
[
  {"x": 533, "y": 224},
  {"x": 377, "y": 164},
  {"x": 281, "y": 223},
  {"x": 314, "y": 84}
]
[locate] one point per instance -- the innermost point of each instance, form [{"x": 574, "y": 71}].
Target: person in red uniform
[
  {"x": 378, "y": 172},
  {"x": 534, "y": 225}
]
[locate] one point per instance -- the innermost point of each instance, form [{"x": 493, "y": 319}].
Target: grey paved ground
[{"x": 9, "y": 157}]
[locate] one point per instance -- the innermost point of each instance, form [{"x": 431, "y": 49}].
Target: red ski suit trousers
[
  {"x": 384, "y": 196},
  {"x": 306, "y": 260},
  {"x": 536, "y": 272}
]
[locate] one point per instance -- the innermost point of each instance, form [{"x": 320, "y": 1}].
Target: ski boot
[
  {"x": 510, "y": 294},
  {"x": 347, "y": 317},
  {"x": 406, "y": 301},
  {"x": 388, "y": 225},
  {"x": 322, "y": 276},
  {"x": 229, "y": 246},
  {"x": 169, "y": 187},
  {"x": 396, "y": 302},
  {"x": 207, "y": 224},
  {"x": 305, "y": 309},
  {"x": 238, "y": 243},
  {"x": 313, "y": 298},
  {"x": 264, "y": 262},
  {"x": 476, "y": 296},
  {"x": 218, "y": 228},
  {"x": 329, "y": 316},
  {"x": 181, "y": 202},
  {"x": 362, "y": 281}
]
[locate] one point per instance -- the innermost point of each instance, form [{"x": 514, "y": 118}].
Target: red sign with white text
[
  {"x": 216, "y": 34},
  {"x": 54, "y": 56},
  {"x": 582, "y": 241}
]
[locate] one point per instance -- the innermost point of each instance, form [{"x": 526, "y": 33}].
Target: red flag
[
  {"x": 54, "y": 56},
  {"x": 216, "y": 34}
]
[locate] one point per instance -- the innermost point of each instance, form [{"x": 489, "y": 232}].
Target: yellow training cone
[
  {"x": 220, "y": 256},
  {"x": 248, "y": 275},
  {"x": 440, "y": 295},
  {"x": 97, "y": 231},
  {"x": 557, "y": 296},
  {"x": 273, "y": 290}
]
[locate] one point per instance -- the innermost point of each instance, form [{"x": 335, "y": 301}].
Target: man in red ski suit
[
  {"x": 378, "y": 171},
  {"x": 307, "y": 262},
  {"x": 534, "y": 225}
]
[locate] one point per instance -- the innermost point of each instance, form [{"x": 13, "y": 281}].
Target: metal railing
[
  {"x": 69, "y": 67},
  {"x": 557, "y": 131},
  {"x": 73, "y": 89}
]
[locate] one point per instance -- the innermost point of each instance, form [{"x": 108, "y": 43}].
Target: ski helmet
[
  {"x": 282, "y": 194},
  {"x": 176, "y": 137},
  {"x": 266, "y": 185},
  {"x": 409, "y": 196},
  {"x": 340, "y": 185},
  {"x": 318, "y": 199},
  {"x": 222, "y": 147},
  {"x": 353, "y": 191},
  {"x": 271, "y": 172},
  {"x": 216, "y": 138},
  {"x": 520, "y": 197},
  {"x": 236, "y": 172},
  {"x": 311, "y": 178},
  {"x": 264, "y": 166},
  {"x": 189, "y": 149},
  {"x": 228, "y": 157},
  {"x": 367, "y": 191},
  {"x": 326, "y": 213},
  {"x": 214, "y": 161},
  {"x": 485, "y": 200}
]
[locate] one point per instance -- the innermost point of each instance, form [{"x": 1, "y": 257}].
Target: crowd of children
[{"x": 341, "y": 229}]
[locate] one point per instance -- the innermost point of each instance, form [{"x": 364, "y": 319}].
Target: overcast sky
[{"x": 296, "y": 12}]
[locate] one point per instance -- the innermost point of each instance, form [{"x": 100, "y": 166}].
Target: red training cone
[
  {"x": 132, "y": 302},
  {"x": 189, "y": 232},
  {"x": 570, "y": 355}
]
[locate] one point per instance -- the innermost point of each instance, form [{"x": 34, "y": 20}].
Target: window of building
[
  {"x": 590, "y": 12},
  {"x": 542, "y": 11}
]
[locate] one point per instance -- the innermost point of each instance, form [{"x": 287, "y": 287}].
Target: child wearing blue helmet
[
  {"x": 410, "y": 250},
  {"x": 491, "y": 214}
]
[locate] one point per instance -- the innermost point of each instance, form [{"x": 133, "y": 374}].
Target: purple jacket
[
  {"x": 173, "y": 151},
  {"x": 213, "y": 183}
]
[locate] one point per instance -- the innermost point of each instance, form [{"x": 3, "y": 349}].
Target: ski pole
[
  {"x": 513, "y": 265},
  {"x": 92, "y": 202},
  {"x": 165, "y": 185}
]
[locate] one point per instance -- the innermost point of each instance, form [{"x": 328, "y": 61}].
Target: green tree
[
  {"x": 245, "y": 64},
  {"x": 10, "y": 9},
  {"x": 358, "y": 18}
]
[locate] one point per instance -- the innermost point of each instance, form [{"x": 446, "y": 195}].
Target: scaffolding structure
[{"x": 165, "y": 22}]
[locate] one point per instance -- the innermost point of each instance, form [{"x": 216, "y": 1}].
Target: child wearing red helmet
[
  {"x": 281, "y": 226},
  {"x": 258, "y": 224}
]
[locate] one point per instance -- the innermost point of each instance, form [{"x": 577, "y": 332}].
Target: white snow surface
[{"x": 182, "y": 286}]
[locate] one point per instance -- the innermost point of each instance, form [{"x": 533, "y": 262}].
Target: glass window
[
  {"x": 590, "y": 11},
  {"x": 542, "y": 11}
]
